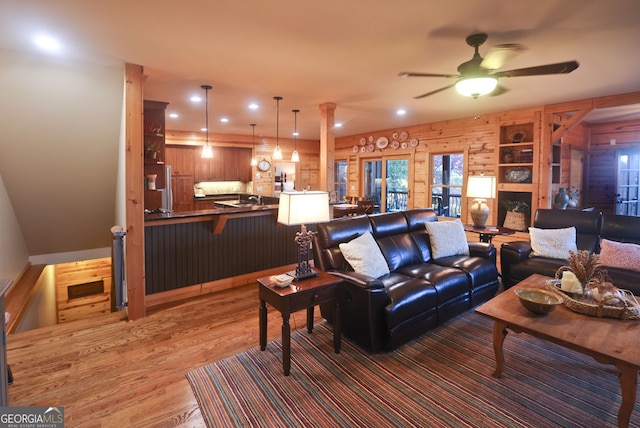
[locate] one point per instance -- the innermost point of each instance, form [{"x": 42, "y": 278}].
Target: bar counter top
[{"x": 201, "y": 215}]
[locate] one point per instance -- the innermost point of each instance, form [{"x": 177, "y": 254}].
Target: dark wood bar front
[{"x": 185, "y": 250}]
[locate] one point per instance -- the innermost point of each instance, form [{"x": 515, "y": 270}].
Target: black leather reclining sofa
[
  {"x": 591, "y": 228},
  {"x": 419, "y": 293}
]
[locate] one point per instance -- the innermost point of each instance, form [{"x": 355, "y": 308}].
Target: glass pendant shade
[
  {"x": 277, "y": 153},
  {"x": 476, "y": 86},
  {"x": 295, "y": 157}
]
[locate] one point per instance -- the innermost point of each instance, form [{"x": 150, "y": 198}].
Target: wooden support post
[
  {"x": 327, "y": 145},
  {"x": 134, "y": 159}
]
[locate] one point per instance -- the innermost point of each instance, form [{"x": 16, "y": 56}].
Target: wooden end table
[
  {"x": 304, "y": 294},
  {"x": 487, "y": 233},
  {"x": 607, "y": 340}
]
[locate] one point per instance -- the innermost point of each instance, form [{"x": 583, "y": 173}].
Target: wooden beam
[
  {"x": 569, "y": 124},
  {"x": 327, "y": 145},
  {"x": 134, "y": 159}
]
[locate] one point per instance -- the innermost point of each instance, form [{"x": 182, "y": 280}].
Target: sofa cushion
[
  {"x": 620, "y": 255},
  {"x": 399, "y": 250},
  {"x": 447, "y": 238},
  {"x": 364, "y": 256},
  {"x": 552, "y": 243}
]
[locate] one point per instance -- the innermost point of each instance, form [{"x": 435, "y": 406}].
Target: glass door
[
  {"x": 386, "y": 182},
  {"x": 628, "y": 183}
]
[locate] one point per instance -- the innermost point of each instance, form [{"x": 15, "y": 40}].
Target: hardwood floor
[{"x": 109, "y": 372}]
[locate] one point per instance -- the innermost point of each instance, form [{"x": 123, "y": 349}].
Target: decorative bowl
[{"x": 538, "y": 301}]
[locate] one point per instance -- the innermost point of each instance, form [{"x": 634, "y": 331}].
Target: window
[
  {"x": 446, "y": 188},
  {"x": 628, "y": 183},
  {"x": 386, "y": 182},
  {"x": 340, "y": 177}
]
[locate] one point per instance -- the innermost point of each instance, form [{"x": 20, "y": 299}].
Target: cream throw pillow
[
  {"x": 364, "y": 256},
  {"x": 552, "y": 243},
  {"x": 447, "y": 238},
  {"x": 619, "y": 255}
]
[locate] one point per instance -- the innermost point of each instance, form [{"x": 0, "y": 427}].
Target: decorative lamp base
[{"x": 479, "y": 212}]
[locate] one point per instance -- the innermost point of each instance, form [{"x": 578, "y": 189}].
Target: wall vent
[{"x": 86, "y": 289}]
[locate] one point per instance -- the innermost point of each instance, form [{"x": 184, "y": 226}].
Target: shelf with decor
[{"x": 154, "y": 152}]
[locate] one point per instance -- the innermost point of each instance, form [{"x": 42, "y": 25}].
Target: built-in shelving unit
[
  {"x": 154, "y": 151},
  {"x": 517, "y": 157}
]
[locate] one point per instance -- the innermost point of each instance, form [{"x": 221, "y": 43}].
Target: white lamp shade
[
  {"x": 303, "y": 208},
  {"x": 476, "y": 86},
  {"x": 481, "y": 186}
]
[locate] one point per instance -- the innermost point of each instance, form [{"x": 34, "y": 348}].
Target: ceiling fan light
[{"x": 476, "y": 86}]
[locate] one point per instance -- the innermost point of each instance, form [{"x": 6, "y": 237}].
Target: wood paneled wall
[
  {"x": 600, "y": 173},
  {"x": 75, "y": 273}
]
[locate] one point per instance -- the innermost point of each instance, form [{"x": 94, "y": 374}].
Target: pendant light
[
  {"x": 295, "y": 157},
  {"x": 254, "y": 159},
  {"x": 277, "y": 152},
  {"x": 207, "y": 151}
]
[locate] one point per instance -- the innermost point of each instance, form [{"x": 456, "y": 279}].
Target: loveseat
[
  {"x": 592, "y": 228},
  {"x": 418, "y": 293}
]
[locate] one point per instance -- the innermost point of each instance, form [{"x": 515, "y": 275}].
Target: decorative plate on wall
[
  {"x": 363, "y": 149},
  {"x": 414, "y": 142},
  {"x": 404, "y": 145},
  {"x": 395, "y": 145},
  {"x": 356, "y": 149},
  {"x": 404, "y": 135},
  {"x": 363, "y": 141},
  {"x": 382, "y": 142},
  {"x": 371, "y": 138},
  {"x": 371, "y": 147},
  {"x": 395, "y": 135}
]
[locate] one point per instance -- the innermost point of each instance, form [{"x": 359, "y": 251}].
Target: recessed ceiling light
[
  {"x": 203, "y": 129},
  {"x": 401, "y": 112},
  {"x": 253, "y": 106},
  {"x": 195, "y": 99},
  {"x": 295, "y": 134},
  {"x": 173, "y": 115},
  {"x": 337, "y": 125},
  {"x": 224, "y": 120},
  {"x": 47, "y": 43}
]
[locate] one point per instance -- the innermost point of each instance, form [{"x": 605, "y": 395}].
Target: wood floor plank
[{"x": 107, "y": 371}]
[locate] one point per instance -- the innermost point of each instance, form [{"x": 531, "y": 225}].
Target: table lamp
[
  {"x": 480, "y": 188},
  {"x": 303, "y": 208}
]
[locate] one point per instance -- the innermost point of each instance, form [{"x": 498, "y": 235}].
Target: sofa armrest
[
  {"x": 515, "y": 251},
  {"x": 363, "y": 281},
  {"x": 484, "y": 250}
]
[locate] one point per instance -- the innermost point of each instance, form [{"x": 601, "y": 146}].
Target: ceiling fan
[{"x": 477, "y": 77}]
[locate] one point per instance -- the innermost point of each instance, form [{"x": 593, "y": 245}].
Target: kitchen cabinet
[
  {"x": 228, "y": 164},
  {"x": 182, "y": 186},
  {"x": 237, "y": 164},
  {"x": 181, "y": 160},
  {"x": 209, "y": 169}
]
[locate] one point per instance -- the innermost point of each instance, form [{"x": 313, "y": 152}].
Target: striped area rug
[{"x": 442, "y": 379}]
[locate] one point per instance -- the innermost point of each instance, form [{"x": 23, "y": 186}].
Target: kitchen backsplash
[{"x": 219, "y": 187}]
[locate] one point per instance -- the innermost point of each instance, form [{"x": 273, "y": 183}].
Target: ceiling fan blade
[
  {"x": 558, "y": 68},
  {"x": 409, "y": 74},
  {"x": 499, "y": 90},
  {"x": 500, "y": 54},
  {"x": 434, "y": 92}
]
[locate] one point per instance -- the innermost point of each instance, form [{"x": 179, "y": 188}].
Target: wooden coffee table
[{"x": 607, "y": 340}]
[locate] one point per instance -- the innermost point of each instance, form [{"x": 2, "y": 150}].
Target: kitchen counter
[{"x": 186, "y": 216}]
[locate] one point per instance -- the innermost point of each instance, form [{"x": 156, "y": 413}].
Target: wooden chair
[{"x": 365, "y": 206}]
